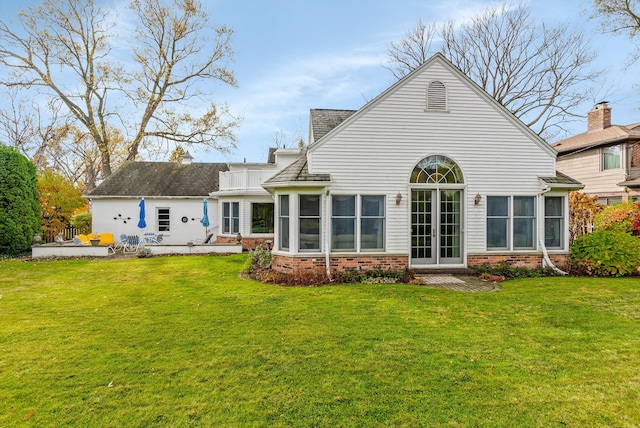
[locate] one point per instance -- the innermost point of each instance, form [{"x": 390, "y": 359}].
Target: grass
[{"x": 182, "y": 341}]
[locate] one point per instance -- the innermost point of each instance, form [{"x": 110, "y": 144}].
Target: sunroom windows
[
  {"x": 357, "y": 222},
  {"x": 511, "y": 222}
]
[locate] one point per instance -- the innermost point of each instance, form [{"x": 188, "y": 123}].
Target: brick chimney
[{"x": 599, "y": 117}]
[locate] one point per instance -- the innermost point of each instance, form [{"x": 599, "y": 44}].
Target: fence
[{"x": 67, "y": 234}]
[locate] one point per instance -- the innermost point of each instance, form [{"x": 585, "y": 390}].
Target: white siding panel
[
  {"x": 585, "y": 167},
  {"x": 380, "y": 147}
]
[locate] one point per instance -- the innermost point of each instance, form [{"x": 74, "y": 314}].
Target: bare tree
[
  {"x": 537, "y": 72},
  {"x": 620, "y": 16},
  {"x": 65, "y": 50}
]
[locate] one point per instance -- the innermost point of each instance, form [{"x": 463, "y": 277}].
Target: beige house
[{"x": 606, "y": 158}]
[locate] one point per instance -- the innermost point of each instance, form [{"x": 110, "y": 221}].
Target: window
[
  {"x": 524, "y": 217},
  {"x": 437, "y": 169},
  {"x": 230, "y": 217},
  {"x": 436, "y": 96},
  {"x": 284, "y": 222},
  {"x": 309, "y": 222},
  {"x": 163, "y": 220},
  {"x": 553, "y": 221},
  {"x": 511, "y": 222},
  {"x": 372, "y": 223},
  {"x": 611, "y": 157},
  {"x": 262, "y": 217},
  {"x": 343, "y": 222},
  {"x": 497, "y": 222}
]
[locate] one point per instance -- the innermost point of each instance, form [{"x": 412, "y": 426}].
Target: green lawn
[{"x": 182, "y": 341}]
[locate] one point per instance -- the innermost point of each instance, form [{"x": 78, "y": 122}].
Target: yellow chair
[
  {"x": 106, "y": 238},
  {"x": 84, "y": 239}
]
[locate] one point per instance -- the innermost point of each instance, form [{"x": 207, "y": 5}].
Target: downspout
[
  {"x": 326, "y": 234},
  {"x": 546, "y": 261}
]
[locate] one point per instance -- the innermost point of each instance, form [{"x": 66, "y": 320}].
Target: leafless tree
[
  {"x": 66, "y": 50},
  {"x": 620, "y": 16},
  {"x": 538, "y": 72}
]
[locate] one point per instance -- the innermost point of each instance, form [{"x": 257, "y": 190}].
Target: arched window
[
  {"x": 436, "y": 96},
  {"x": 437, "y": 169}
]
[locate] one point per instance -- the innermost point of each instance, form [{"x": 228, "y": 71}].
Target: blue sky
[{"x": 295, "y": 55}]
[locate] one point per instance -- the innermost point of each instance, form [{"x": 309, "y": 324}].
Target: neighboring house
[
  {"x": 433, "y": 173},
  {"x": 174, "y": 193},
  {"x": 606, "y": 158}
]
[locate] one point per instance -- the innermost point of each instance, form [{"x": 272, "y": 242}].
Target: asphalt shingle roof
[
  {"x": 324, "y": 120},
  {"x": 159, "y": 179},
  {"x": 297, "y": 171},
  {"x": 562, "y": 179},
  {"x": 609, "y": 135}
]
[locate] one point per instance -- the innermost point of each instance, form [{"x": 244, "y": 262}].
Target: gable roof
[
  {"x": 323, "y": 121},
  {"x": 591, "y": 139},
  {"x": 161, "y": 179},
  {"x": 441, "y": 59}
]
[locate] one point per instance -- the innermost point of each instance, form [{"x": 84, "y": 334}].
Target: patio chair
[
  {"x": 150, "y": 238},
  {"x": 132, "y": 244},
  {"x": 84, "y": 239},
  {"x": 106, "y": 238}
]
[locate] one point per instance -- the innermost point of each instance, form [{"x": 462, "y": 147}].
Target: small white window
[{"x": 436, "y": 96}]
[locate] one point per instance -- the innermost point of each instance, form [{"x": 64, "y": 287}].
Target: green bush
[
  {"x": 19, "y": 207},
  {"x": 261, "y": 257},
  {"x": 606, "y": 253},
  {"x": 82, "y": 221},
  {"x": 619, "y": 217},
  {"x": 509, "y": 271}
]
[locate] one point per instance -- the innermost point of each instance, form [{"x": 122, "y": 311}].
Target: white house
[{"x": 432, "y": 173}]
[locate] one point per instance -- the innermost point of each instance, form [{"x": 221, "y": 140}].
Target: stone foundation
[{"x": 316, "y": 265}]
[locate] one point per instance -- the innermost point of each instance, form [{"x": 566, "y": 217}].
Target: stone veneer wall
[{"x": 316, "y": 265}]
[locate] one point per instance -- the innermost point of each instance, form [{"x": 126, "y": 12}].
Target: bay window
[
  {"x": 284, "y": 222},
  {"x": 554, "y": 222},
  {"x": 309, "y": 222}
]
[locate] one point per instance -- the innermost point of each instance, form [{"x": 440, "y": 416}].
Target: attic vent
[{"x": 436, "y": 96}]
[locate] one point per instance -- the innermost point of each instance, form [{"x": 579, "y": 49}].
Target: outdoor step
[{"x": 445, "y": 271}]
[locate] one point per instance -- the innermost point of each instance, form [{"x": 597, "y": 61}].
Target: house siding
[
  {"x": 105, "y": 209},
  {"x": 376, "y": 153},
  {"x": 586, "y": 168}
]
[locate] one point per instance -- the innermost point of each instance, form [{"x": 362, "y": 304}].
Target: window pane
[
  {"x": 553, "y": 232},
  {"x": 524, "y": 206},
  {"x": 343, "y": 205},
  {"x": 497, "y": 232},
  {"x": 523, "y": 233},
  {"x": 309, "y": 205},
  {"x": 611, "y": 157},
  {"x": 553, "y": 206},
  {"x": 284, "y": 233},
  {"x": 497, "y": 206},
  {"x": 343, "y": 235},
  {"x": 284, "y": 222},
  {"x": 373, "y": 206},
  {"x": 262, "y": 217},
  {"x": 309, "y": 234},
  {"x": 225, "y": 209},
  {"x": 284, "y": 205},
  {"x": 372, "y": 234},
  {"x": 236, "y": 209},
  {"x": 226, "y": 228}
]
